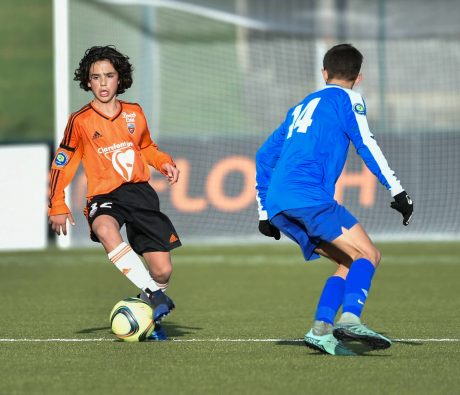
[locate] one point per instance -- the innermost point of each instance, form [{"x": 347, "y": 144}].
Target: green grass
[
  {"x": 26, "y": 71},
  {"x": 239, "y": 292}
]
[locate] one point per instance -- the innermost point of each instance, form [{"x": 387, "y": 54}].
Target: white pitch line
[
  {"x": 425, "y": 340},
  {"x": 103, "y": 339},
  {"x": 55, "y": 340}
]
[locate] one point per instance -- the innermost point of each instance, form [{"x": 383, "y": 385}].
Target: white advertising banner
[{"x": 23, "y": 197}]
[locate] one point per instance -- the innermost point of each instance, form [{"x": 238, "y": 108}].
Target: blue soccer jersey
[{"x": 299, "y": 164}]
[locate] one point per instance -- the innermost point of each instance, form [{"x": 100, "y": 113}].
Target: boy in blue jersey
[{"x": 297, "y": 169}]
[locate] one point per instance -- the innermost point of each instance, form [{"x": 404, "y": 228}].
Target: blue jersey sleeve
[
  {"x": 266, "y": 158},
  {"x": 357, "y": 129}
]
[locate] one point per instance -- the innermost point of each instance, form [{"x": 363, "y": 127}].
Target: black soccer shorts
[{"x": 137, "y": 206}]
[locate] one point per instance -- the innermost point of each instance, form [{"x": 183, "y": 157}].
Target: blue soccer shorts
[{"x": 309, "y": 226}]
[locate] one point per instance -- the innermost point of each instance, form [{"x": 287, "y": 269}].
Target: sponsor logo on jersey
[
  {"x": 115, "y": 147},
  {"x": 129, "y": 117},
  {"x": 123, "y": 163},
  {"x": 96, "y": 135},
  {"x": 61, "y": 159},
  {"x": 359, "y": 108},
  {"x": 122, "y": 157}
]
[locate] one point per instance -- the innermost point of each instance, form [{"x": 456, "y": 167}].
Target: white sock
[
  {"x": 349, "y": 318},
  {"x": 163, "y": 287},
  {"x": 321, "y": 328},
  {"x": 145, "y": 296},
  {"x": 129, "y": 263}
]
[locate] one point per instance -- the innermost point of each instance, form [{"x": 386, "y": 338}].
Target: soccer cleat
[
  {"x": 170, "y": 302},
  {"x": 161, "y": 303},
  {"x": 352, "y": 333},
  {"x": 158, "y": 334},
  {"x": 327, "y": 344}
]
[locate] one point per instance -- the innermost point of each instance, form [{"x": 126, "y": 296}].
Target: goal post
[{"x": 62, "y": 80}]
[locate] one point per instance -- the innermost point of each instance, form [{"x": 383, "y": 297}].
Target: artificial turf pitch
[{"x": 241, "y": 312}]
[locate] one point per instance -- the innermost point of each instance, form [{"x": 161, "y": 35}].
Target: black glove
[
  {"x": 404, "y": 205},
  {"x": 267, "y": 229}
]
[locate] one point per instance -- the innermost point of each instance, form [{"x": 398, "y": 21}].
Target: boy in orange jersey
[{"x": 111, "y": 138}]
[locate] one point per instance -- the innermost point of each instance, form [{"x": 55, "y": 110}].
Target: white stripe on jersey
[
  {"x": 263, "y": 214},
  {"x": 371, "y": 144}
]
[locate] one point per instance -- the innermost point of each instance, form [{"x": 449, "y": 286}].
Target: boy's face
[{"x": 103, "y": 81}]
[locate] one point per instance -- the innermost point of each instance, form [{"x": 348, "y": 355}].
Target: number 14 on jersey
[{"x": 303, "y": 117}]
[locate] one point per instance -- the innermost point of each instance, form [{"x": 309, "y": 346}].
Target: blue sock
[
  {"x": 357, "y": 286},
  {"x": 330, "y": 300}
]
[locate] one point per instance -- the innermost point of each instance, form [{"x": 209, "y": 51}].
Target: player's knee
[
  {"x": 162, "y": 274},
  {"x": 374, "y": 256},
  {"x": 104, "y": 231}
]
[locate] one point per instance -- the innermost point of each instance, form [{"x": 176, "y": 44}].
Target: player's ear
[
  {"x": 358, "y": 79},
  {"x": 325, "y": 75}
]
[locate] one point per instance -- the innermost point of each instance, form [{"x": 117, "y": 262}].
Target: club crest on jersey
[
  {"x": 359, "y": 108},
  {"x": 61, "y": 159},
  {"x": 131, "y": 127},
  {"x": 130, "y": 119}
]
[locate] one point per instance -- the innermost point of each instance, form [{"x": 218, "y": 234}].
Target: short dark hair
[
  {"x": 343, "y": 61},
  {"x": 119, "y": 61}
]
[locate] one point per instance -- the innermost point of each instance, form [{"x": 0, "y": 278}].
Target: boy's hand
[
  {"x": 59, "y": 222},
  {"x": 267, "y": 229},
  {"x": 172, "y": 173},
  {"x": 403, "y": 203}
]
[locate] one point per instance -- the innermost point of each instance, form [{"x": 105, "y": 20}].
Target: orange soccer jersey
[{"x": 113, "y": 151}]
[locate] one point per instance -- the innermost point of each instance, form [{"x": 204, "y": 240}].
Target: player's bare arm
[{"x": 59, "y": 222}]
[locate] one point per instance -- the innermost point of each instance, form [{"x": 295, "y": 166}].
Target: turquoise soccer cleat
[
  {"x": 367, "y": 339},
  {"x": 326, "y": 344}
]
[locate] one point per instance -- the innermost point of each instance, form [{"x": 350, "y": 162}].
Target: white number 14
[{"x": 302, "y": 119}]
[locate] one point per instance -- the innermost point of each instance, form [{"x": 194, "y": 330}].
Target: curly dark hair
[{"x": 119, "y": 61}]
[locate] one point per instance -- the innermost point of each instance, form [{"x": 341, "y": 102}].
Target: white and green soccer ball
[{"x": 131, "y": 320}]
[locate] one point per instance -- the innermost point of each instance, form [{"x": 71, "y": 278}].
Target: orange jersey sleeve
[
  {"x": 153, "y": 156},
  {"x": 113, "y": 150},
  {"x": 156, "y": 158},
  {"x": 65, "y": 165}
]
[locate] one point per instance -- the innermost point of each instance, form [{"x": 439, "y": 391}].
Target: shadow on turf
[
  {"x": 356, "y": 348},
  {"x": 94, "y": 330},
  {"x": 313, "y": 352},
  {"x": 172, "y": 330}
]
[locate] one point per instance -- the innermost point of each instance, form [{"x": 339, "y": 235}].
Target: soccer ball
[{"x": 132, "y": 320}]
